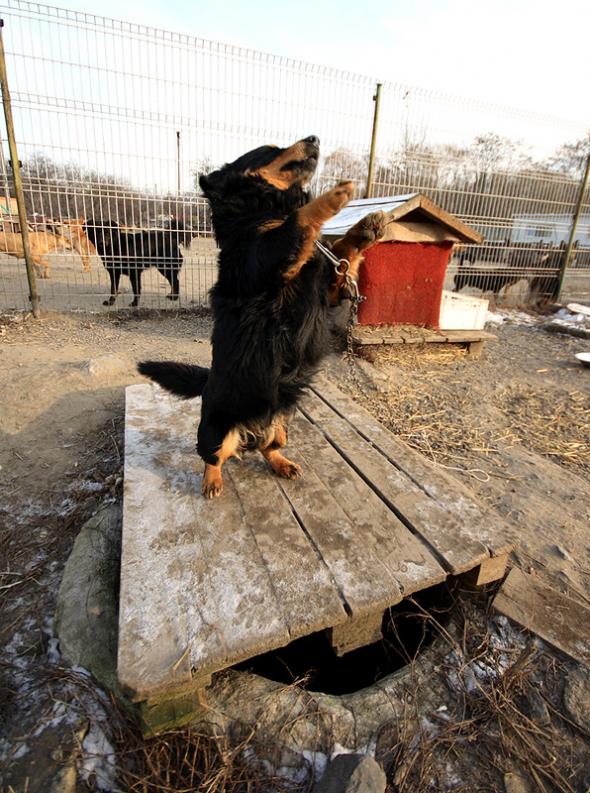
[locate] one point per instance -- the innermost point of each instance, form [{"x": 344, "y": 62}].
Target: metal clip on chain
[{"x": 341, "y": 268}]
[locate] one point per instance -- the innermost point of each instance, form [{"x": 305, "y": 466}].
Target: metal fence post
[
  {"x": 377, "y": 100},
  {"x": 177, "y": 163},
  {"x": 570, "y": 243},
  {"x": 18, "y": 185}
]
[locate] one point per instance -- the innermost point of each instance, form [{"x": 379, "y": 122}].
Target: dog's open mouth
[{"x": 311, "y": 160}]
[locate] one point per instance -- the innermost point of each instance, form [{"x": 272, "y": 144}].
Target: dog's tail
[{"x": 181, "y": 379}]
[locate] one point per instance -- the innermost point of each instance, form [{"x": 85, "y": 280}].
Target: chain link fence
[{"x": 115, "y": 122}]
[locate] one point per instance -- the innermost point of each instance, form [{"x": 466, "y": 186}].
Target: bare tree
[{"x": 571, "y": 157}]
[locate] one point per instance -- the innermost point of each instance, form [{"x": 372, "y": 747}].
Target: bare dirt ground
[{"x": 514, "y": 426}]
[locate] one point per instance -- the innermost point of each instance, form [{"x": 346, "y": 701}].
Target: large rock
[
  {"x": 352, "y": 773},
  {"x": 86, "y": 618}
]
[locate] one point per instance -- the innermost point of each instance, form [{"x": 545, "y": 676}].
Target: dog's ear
[{"x": 212, "y": 184}]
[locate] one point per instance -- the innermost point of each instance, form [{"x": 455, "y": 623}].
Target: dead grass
[
  {"x": 504, "y": 715},
  {"x": 422, "y": 406},
  {"x": 554, "y": 425},
  {"x": 195, "y": 758}
]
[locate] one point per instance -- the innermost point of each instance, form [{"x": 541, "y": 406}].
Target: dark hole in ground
[{"x": 407, "y": 631}]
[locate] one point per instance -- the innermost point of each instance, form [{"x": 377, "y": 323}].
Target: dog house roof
[{"x": 412, "y": 217}]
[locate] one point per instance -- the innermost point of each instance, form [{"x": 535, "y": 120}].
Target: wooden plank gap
[
  {"x": 453, "y": 487},
  {"x": 372, "y": 443},
  {"x": 314, "y": 545},
  {"x": 246, "y": 521}
]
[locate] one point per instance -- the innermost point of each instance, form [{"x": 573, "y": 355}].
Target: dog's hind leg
[
  {"x": 278, "y": 462},
  {"x": 212, "y": 484},
  {"x": 135, "y": 278},
  {"x": 171, "y": 275},
  {"x": 115, "y": 276},
  {"x": 215, "y": 447}
]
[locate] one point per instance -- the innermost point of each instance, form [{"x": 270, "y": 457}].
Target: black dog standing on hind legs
[{"x": 270, "y": 303}]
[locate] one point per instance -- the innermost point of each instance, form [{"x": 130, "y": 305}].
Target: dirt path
[{"x": 514, "y": 426}]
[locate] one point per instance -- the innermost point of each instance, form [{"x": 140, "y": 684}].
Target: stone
[
  {"x": 576, "y": 696},
  {"x": 86, "y": 616},
  {"x": 104, "y": 366},
  {"x": 537, "y": 709},
  {"x": 352, "y": 773},
  {"x": 515, "y": 782}
]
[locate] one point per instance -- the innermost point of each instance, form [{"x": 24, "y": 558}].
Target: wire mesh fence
[{"x": 115, "y": 122}]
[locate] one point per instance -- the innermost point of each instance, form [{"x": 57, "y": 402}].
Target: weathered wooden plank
[
  {"x": 478, "y": 524},
  {"x": 436, "y": 525},
  {"x": 356, "y": 633},
  {"x": 395, "y": 553},
  {"x": 562, "y": 622},
  {"x": 490, "y": 570},
  {"x": 356, "y": 567},
  {"x": 305, "y": 590},
  {"x": 403, "y": 335},
  {"x": 195, "y": 593}
]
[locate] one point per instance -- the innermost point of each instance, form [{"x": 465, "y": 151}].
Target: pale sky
[
  {"x": 114, "y": 102},
  {"x": 531, "y": 54}
]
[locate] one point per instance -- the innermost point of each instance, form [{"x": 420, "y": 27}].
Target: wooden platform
[
  {"x": 364, "y": 335},
  {"x": 205, "y": 584}
]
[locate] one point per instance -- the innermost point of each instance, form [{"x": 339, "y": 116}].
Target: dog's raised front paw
[{"x": 339, "y": 196}]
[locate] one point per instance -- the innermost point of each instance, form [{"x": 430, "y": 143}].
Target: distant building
[{"x": 542, "y": 229}]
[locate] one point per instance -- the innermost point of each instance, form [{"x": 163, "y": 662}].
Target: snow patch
[
  {"x": 98, "y": 760},
  {"x": 511, "y": 317}
]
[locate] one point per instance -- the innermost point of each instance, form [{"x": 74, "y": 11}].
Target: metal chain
[{"x": 342, "y": 269}]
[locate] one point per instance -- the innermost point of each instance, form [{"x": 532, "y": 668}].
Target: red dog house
[{"x": 402, "y": 276}]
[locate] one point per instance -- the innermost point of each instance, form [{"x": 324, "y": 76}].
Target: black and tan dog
[{"x": 270, "y": 303}]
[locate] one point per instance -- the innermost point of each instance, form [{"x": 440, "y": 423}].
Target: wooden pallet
[
  {"x": 474, "y": 340},
  {"x": 206, "y": 584}
]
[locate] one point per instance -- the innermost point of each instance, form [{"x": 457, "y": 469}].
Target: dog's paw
[
  {"x": 288, "y": 470},
  {"x": 171, "y": 297},
  {"x": 212, "y": 484},
  {"x": 373, "y": 226},
  {"x": 212, "y": 489},
  {"x": 339, "y": 196},
  {"x": 109, "y": 302},
  {"x": 369, "y": 230}
]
